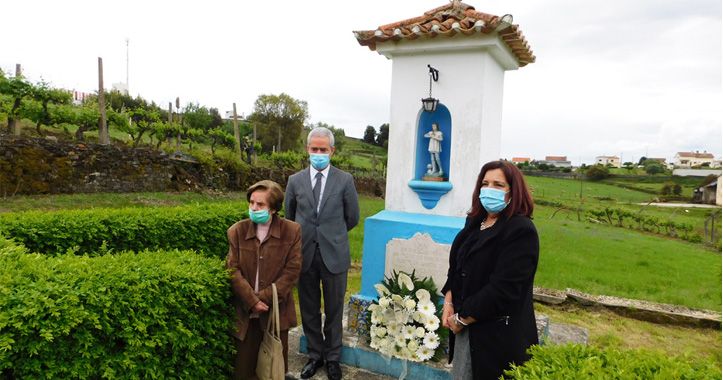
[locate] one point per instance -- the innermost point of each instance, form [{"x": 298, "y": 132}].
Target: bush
[
  {"x": 131, "y": 316},
  {"x": 286, "y": 160},
  {"x": 583, "y": 362},
  {"x": 201, "y": 228},
  {"x": 597, "y": 172}
]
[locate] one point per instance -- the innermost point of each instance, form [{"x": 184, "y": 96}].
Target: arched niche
[
  {"x": 430, "y": 192},
  {"x": 424, "y": 124}
]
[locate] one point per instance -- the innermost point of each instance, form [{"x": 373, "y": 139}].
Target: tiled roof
[
  {"x": 449, "y": 20},
  {"x": 520, "y": 159},
  {"x": 695, "y": 154},
  {"x": 555, "y": 158}
]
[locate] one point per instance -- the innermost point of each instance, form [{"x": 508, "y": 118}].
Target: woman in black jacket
[{"x": 492, "y": 264}]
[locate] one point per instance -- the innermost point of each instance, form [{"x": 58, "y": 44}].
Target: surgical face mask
[
  {"x": 319, "y": 160},
  {"x": 260, "y": 216},
  {"x": 493, "y": 200}
]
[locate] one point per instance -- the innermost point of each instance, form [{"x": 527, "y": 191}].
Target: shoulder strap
[{"x": 273, "y": 326}]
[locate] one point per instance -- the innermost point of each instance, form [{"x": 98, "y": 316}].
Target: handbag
[{"x": 270, "y": 363}]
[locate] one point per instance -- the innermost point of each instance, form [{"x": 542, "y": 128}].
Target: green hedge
[
  {"x": 584, "y": 362},
  {"x": 130, "y": 316},
  {"x": 201, "y": 228}
]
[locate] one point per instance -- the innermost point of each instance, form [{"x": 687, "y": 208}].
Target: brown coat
[{"x": 279, "y": 257}]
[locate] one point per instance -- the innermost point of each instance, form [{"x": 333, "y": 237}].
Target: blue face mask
[
  {"x": 319, "y": 160},
  {"x": 260, "y": 216},
  {"x": 493, "y": 200}
]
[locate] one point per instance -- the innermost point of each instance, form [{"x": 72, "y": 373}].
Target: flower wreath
[{"x": 405, "y": 322}]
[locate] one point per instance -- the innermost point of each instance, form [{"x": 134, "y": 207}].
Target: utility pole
[
  {"x": 236, "y": 133},
  {"x": 103, "y": 137}
]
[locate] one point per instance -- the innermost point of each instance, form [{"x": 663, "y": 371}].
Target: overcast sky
[{"x": 612, "y": 77}]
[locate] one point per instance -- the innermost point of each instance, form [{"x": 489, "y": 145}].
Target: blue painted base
[
  {"x": 373, "y": 361},
  {"x": 387, "y": 225}
]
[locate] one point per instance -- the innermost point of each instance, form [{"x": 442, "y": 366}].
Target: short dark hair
[
  {"x": 520, "y": 198},
  {"x": 276, "y": 195}
]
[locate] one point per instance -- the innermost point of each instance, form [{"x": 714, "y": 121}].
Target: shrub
[
  {"x": 201, "y": 228},
  {"x": 131, "y": 316},
  {"x": 583, "y": 362},
  {"x": 597, "y": 172}
]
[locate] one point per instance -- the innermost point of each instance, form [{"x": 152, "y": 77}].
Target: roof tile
[{"x": 448, "y": 20}]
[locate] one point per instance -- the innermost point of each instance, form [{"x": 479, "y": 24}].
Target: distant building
[
  {"x": 520, "y": 160},
  {"x": 711, "y": 193},
  {"x": 120, "y": 87},
  {"x": 691, "y": 159},
  {"x": 229, "y": 116},
  {"x": 556, "y": 161},
  {"x": 613, "y": 161},
  {"x": 79, "y": 96}
]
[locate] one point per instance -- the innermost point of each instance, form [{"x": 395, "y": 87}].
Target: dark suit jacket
[
  {"x": 278, "y": 259},
  {"x": 493, "y": 284},
  {"x": 338, "y": 214}
]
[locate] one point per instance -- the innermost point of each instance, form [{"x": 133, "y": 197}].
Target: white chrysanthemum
[
  {"x": 381, "y": 332},
  {"x": 426, "y": 308},
  {"x": 376, "y": 318},
  {"x": 384, "y": 302},
  {"x": 418, "y": 317},
  {"x": 409, "y": 304},
  {"x": 405, "y": 281},
  {"x": 424, "y": 353},
  {"x": 409, "y": 332},
  {"x": 420, "y": 332},
  {"x": 381, "y": 290},
  {"x": 400, "y": 341},
  {"x": 432, "y": 323},
  {"x": 375, "y": 342},
  {"x": 373, "y": 307},
  {"x": 431, "y": 341},
  {"x": 388, "y": 316},
  {"x": 401, "y": 316},
  {"x": 397, "y": 299},
  {"x": 413, "y": 345},
  {"x": 423, "y": 295}
]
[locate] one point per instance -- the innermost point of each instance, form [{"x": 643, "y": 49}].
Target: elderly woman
[
  {"x": 263, "y": 249},
  {"x": 492, "y": 264}
]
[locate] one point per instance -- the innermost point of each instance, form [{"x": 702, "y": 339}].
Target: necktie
[{"x": 317, "y": 191}]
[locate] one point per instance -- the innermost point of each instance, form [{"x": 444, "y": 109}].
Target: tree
[
  {"x": 279, "y": 120},
  {"x": 628, "y": 166},
  {"x": 642, "y": 160},
  {"x": 597, "y": 172},
  {"x": 219, "y": 136},
  {"x": 383, "y": 135},
  {"x": 370, "y": 135},
  {"x": 653, "y": 167},
  {"x": 47, "y": 95},
  {"x": 17, "y": 89}
]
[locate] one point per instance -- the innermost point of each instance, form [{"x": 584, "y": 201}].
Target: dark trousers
[
  {"x": 326, "y": 345},
  {"x": 248, "y": 351}
]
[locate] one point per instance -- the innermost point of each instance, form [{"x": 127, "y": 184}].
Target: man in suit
[{"x": 323, "y": 200}]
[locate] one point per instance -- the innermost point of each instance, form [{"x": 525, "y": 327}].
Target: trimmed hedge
[
  {"x": 200, "y": 227},
  {"x": 584, "y": 362},
  {"x": 131, "y": 316}
]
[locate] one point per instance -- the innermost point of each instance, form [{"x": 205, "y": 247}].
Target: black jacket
[{"x": 492, "y": 282}]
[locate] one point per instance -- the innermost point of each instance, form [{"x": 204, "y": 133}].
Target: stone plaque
[{"x": 420, "y": 254}]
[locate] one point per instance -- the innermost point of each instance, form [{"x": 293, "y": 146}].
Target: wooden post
[
  {"x": 178, "y": 110},
  {"x": 236, "y": 132},
  {"x": 103, "y": 136},
  {"x": 13, "y": 124},
  {"x": 170, "y": 121},
  {"x": 255, "y": 161}
]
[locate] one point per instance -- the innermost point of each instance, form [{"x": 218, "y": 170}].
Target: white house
[
  {"x": 691, "y": 159},
  {"x": 613, "y": 161}
]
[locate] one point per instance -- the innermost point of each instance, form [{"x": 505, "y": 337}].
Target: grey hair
[{"x": 321, "y": 132}]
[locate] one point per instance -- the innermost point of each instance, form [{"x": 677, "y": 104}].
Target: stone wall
[{"x": 43, "y": 166}]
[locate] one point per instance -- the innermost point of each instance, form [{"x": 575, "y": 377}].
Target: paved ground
[{"x": 297, "y": 361}]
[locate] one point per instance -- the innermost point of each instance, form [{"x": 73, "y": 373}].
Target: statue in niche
[{"x": 434, "y": 169}]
